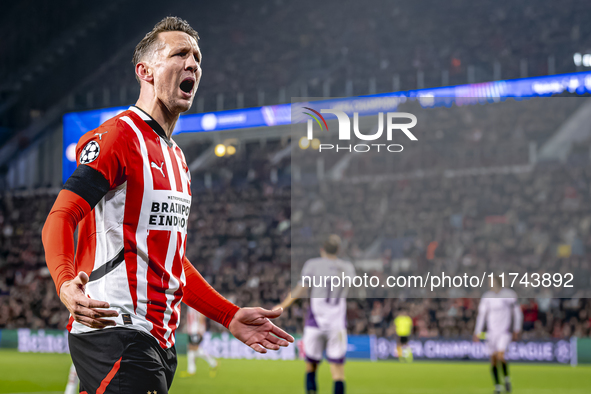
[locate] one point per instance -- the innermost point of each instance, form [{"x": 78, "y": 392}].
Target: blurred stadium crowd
[
  {"x": 240, "y": 231},
  {"x": 269, "y": 51},
  {"x": 240, "y": 240}
]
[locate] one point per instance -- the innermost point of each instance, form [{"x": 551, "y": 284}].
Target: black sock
[
  {"x": 311, "y": 383},
  {"x": 505, "y": 370},
  {"x": 339, "y": 387},
  {"x": 495, "y": 373}
]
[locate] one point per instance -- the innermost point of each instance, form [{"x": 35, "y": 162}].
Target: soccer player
[
  {"x": 499, "y": 308},
  {"x": 72, "y": 386},
  {"x": 130, "y": 198},
  {"x": 325, "y": 327},
  {"x": 403, "y": 324},
  {"x": 196, "y": 330}
]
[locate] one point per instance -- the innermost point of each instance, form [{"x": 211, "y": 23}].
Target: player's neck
[{"x": 159, "y": 113}]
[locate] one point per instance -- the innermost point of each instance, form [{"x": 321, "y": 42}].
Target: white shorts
[
  {"x": 316, "y": 341},
  {"x": 498, "y": 342}
]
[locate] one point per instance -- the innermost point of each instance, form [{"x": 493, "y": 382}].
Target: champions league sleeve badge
[{"x": 90, "y": 152}]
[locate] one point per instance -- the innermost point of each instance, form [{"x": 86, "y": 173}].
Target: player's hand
[
  {"x": 253, "y": 327},
  {"x": 475, "y": 338},
  {"x": 278, "y": 306},
  {"x": 83, "y": 309},
  {"x": 515, "y": 336}
]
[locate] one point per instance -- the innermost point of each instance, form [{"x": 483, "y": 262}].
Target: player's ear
[{"x": 144, "y": 72}]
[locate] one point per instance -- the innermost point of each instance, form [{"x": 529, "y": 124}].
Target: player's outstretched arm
[
  {"x": 292, "y": 297},
  {"x": 253, "y": 327},
  {"x": 250, "y": 325}
]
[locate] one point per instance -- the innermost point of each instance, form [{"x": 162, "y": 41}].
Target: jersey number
[{"x": 336, "y": 298}]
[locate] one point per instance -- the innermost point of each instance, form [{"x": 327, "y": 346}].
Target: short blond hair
[{"x": 147, "y": 44}]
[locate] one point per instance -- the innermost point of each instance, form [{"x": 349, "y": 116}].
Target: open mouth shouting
[{"x": 187, "y": 86}]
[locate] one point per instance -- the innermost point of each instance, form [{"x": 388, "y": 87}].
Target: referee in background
[{"x": 403, "y": 324}]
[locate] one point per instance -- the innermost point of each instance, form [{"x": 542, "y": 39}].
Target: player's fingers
[
  {"x": 93, "y": 323},
  {"x": 268, "y": 345},
  {"x": 94, "y": 313},
  {"x": 271, "y": 314},
  {"x": 258, "y": 348},
  {"x": 277, "y": 341},
  {"x": 104, "y": 313},
  {"x": 88, "y": 322},
  {"x": 105, "y": 322},
  {"x": 90, "y": 303},
  {"x": 92, "y": 316},
  {"x": 281, "y": 334}
]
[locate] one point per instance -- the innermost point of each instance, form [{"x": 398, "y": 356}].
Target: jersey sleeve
[
  {"x": 307, "y": 270},
  {"x": 517, "y": 316},
  {"x": 482, "y": 311},
  {"x": 58, "y": 236},
  {"x": 102, "y": 156},
  {"x": 351, "y": 270}
]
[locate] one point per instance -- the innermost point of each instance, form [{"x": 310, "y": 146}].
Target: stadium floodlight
[
  {"x": 577, "y": 57},
  {"x": 582, "y": 59},
  {"x": 304, "y": 143},
  {"x": 230, "y": 150},
  {"x": 220, "y": 150},
  {"x": 315, "y": 143}
]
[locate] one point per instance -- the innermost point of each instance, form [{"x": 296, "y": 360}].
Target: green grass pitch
[{"x": 47, "y": 373}]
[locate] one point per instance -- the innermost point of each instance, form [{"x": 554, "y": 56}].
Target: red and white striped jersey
[
  {"x": 133, "y": 241},
  {"x": 195, "y": 322}
]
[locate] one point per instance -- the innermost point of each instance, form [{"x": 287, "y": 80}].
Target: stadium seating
[
  {"x": 240, "y": 240},
  {"x": 299, "y": 51},
  {"x": 240, "y": 225}
]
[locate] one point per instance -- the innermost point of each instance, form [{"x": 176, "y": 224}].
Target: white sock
[
  {"x": 191, "y": 361},
  {"x": 72, "y": 386},
  {"x": 204, "y": 355}
]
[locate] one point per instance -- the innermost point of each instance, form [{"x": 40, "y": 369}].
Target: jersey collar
[{"x": 152, "y": 123}]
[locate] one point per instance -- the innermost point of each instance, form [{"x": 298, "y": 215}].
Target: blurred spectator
[{"x": 530, "y": 314}]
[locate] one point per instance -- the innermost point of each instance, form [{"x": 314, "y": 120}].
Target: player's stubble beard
[
  {"x": 169, "y": 92},
  {"x": 170, "y": 97}
]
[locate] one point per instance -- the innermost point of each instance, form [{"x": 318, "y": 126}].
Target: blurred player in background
[
  {"x": 73, "y": 381},
  {"x": 325, "y": 328},
  {"x": 130, "y": 198},
  {"x": 500, "y": 310},
  {"x": 196, "y": 329},
  {"x": 403, "y": 324}
]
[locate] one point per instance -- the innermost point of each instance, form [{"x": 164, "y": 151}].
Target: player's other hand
[
  {"x": 253, "y": 327},
  {"x": 475, "y": 338},
  {"x": 83, "y": 309}
]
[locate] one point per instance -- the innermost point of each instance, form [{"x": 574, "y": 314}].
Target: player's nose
[{"x": 192, "y": 64}]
